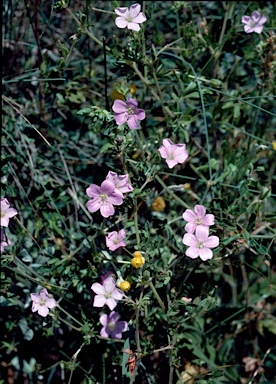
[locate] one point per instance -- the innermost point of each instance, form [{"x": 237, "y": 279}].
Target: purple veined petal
[
  {"x": 139, "y": 18},
  {"x": 116, "y": 198},
  {"x": 35, "y": 297},
  {"x": 167, "y": 144},
  {"x": 255, "y": 16},
  {"x": 133, "y": 122},
  {"x": 111, "y": 303},
  {"x": 121, "y": 11},
  {"x": 111, "y": 176},
  {"x": 163, "y": 152},
  {"x": 202, "y": 232},
  {"x": 140, "y": 114},
  {"x": 181, "y": 156},
  {"x": 93, "y": 190},
  {"x": 245, "y": 19},
  {"x": 120, "y": 118},
  {"x": 107, "y": 187},
  {"x": 189, "y": 239},
  {"x": 4, "y": 221},
  {"x": 35, "y": 307},
  {"x": 171, "y": 163},
  {"x": 50, "y": 303},
  {"x": 117, "y": 294},
  {"x": 133, "y": 26},
  {"x": 122, "y": 233},
  {"x": 103, "y": 332},
  {"x": 205, "y": 253},
  {"x": 113, "y": 317},
  {"x": 211, "y": 242},
  {"x": 99, "y": 301},
  {"x": 134, "y": 10},
  {"x": 107, "y": 210},
  {"x": 189, "y": 215},
  {"x": 190, "y": 227},
  {"x": 44, "y": 294},
  {"x": 208, "y": 219},
  {"x": 132, "y": 103},
  {"x": 248, "y": 29},
  {"x": 98, "y": 289},
  {"x": 258, "y": 29},
  {"x": 200, "y": 210},
  {"x": 43, "y": 311},
  {"x": 115, "y": 334},
  {"x": 121, "y": 326},
  {"x": 119, "y": 106},
  {"x": 192, "y": 252},
  {"x": 262, "y": 20},
  {"x": 104, "y": 319},
  {"x": 93, "y": 205},
  {"x": 109, "y": 284},
  {"x": 10, "y": 212}
]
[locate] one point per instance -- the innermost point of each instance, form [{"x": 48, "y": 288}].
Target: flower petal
[
  {"x": 189, "y": 215},
  {"x": 119, "y": 106},
  {"x": 134, "y": 10},
  {"x": 111, "y": 303},
  {"x": 246, "y": 19},
  {"x": 208, "y": 219},
  {"x": 93, "y": 190},
  {"x": 139, "y": 18},
  {"x": 211, "y": 242},
  {"x": 122, "y": 11},
  {"x": 116, "y": 198},
  {"x": 105, "y": 332},
  {"x": 104, "y": 319},
  {"x": 140, "y": 114},
  {"x": 205, "y": 253},
  {"x": 99, "y": 301},
  {"x": 258, "y": 29},
  {"x": 117, "y": 294},
  {"x": 120, "y": 118},
  {"x": 107, "y": 210},
  {"x": 98, "y": 289},
  {"x": 43, "y": 311},
  {"x": 93, "y": 205},
  {"x": 190, "y": 227},
  {"x": 109, "y": 285},
  {"x": 133, "y": 122},
  {"x": 202, "y": 232},
  {"x": 50, "y": 303},
  {"x": 190, "y": 240},
  {"x": 132, "y": 103},
  {"x": 113, "y": 317},
  {"x": 192, "y": 252},
  {"x": 200, "y": 210}
]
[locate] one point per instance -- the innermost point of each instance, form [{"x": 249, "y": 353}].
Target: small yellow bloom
[
  {"x": 187, "y": 185},
  {"x": 159, "y": 204},
  {"x": 124, "y": 286},
  {"x": 137, "y": 262},
  {"x": 137, "y": 254},
  {"x": 274, "y": 144},
  {"x": 132, "y": 89}
]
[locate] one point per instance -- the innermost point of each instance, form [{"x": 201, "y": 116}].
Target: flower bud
[
  {"x": 124, "y": 285},
  {"x": 137, "y": 262}
]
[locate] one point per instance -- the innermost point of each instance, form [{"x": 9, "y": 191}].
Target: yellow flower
[
  {"x": 137, "y": 262},
  {"x": 274, "y": 144},
  {"x": 187, "y": 185},
  {"x": 124, "y": 285},
  {"x": 159, "y": 204}
]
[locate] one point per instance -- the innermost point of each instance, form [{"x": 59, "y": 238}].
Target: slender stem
[
  {"x": 136, "y": 224},
  {"x": 160, "y": 181},
  {"x": 103, "y": 11},
  {"x": 157, "y": 296},
  {"x": 68, "y": 314},
  {"x": 69, "y": 324}
]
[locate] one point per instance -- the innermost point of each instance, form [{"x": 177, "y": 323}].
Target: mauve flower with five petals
[
  {"x": 200, "y": 243},
  {"x": 111, "y": 326},
  {"x": 127, "y": 111},
  {"x": 42, "y": 302},
  {"x": 115, "y": 240},
  {"x": 6, "y": 212},
  {"x": 130, "y": 18},
  {"x": 173, "y": 153},
  {"x": 103, "y": 198},
  {"x": 107, "y": 293},
  {"x": 254, "y": 23},
  {"x": 197, "y": 218}
]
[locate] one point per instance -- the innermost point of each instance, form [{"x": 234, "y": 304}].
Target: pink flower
[
  {"x": 5, "y": 242},
  {"x": 197, "y": 218},
  {"x": 115, "y": 240},
  {"x": 173, "y": 153},
  {"x": 107, "y": 293},
  {"x": 111, "y": 326},
  {"x": 120, "y": 182},
  {"x": 254, "y": 23},
  {"x": 42, "y": 302},
  {"x": 130, "y": 18},
  {"x": 6, "y": 212},
  {"x": 200, "y": 243},
  {"x": 103, "y": 198},
  {"x": 127, "y": 111}
]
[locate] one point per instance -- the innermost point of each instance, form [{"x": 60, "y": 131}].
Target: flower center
[
  {"x": 200, "y": 245},
  {"x": 198, "y": 220},
  {"x": 130, "y": 111},
  {"x": 112, "y": 326},
  {"x": 116, "y": 241},
  {"x": 103, "y": 197},
  {"x": 42, "y": 302},
  {"x": 171, "y": 156},
  {"x": 2, "y": 213}
]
